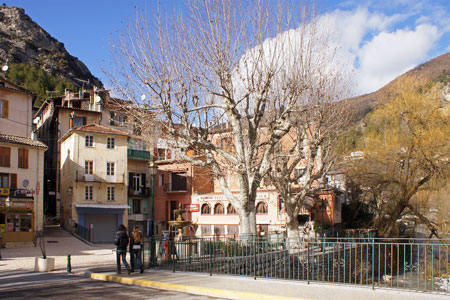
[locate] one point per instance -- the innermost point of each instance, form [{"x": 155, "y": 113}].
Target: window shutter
[
  {"x": 26, "y": 158},
  {"x": 5, "y": 157},
  {"x": 143, "y": 183},
  {"x": 111, "y": 118},
  {"x": 13, "y": 181},
  {"x": 144, "y": 206},
  {"x": 169, "y": 154},
  {"x": 130, "y": 181},
  {"x": 130, "y": 204},
  {"x": 5, "y": 109},
  {"x": 84, "y": 120},
  {"x": 155, "y": 153}
]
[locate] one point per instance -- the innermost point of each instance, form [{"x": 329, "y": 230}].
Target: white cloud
[
  {"x": 382, "y": 45},
  {"x": 388, "y": 55}
]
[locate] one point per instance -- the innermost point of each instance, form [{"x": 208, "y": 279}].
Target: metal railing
[
  {"x": 413, "y": 264},
  {"x": 81, "y": 231}
]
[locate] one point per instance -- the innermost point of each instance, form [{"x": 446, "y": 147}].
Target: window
[
  {"x": 161, "y": 179},
  {"x": 110, "y": 142},
  {"x": 206, "y": 210},
  {"x": 137, "y": 206},
  {"x": 4, "y": 181},
  {"x": 23, "y": 158},
  {"x": 179, "y": 181},
  {"x": 79, "y": 121},
  {"x": 232, "y": 229},
  {"x": 89, "y": 141},
  {"x": 4, "y": 109},
  {"x": 88, "y": 167},
  {"x": 116, "y": 119},
  {"x": 110, "y": 169},
  {"x": 218, "y": 209},
  {"x": 5, "y": 157},
  {"x": 261, "y": 208},
  {"x": 110, "y": 193},
  {"x": 231, "y": 210},
  {"x": 219, "y": 229},
  {"x": 88, "y": 192},
  {"x": 205, "y": 229}
]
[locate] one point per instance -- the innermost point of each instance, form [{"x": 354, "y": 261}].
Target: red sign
[
  {"x": 38, "y": 187},
  {"x": 192, "y": 207}
]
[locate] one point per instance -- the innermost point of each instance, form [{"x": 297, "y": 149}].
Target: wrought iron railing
[
  {"x": 81, "y": 231},
  {"x": 413, "y": 264}
]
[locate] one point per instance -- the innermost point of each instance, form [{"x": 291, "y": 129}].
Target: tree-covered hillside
[{"x": 38, "y": 81}]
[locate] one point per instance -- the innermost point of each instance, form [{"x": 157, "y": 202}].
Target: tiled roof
[
  {"x": 100, "y": 129},
  {"x": 19, "y": 140},
  {"x": 15, "y": 87}
]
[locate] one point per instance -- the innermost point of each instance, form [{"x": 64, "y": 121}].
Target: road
[{"x": 30, "y": 285}]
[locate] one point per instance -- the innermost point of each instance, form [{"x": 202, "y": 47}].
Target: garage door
[{"x": 105, "y": 227}]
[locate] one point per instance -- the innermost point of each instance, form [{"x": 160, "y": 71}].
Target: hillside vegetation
[{"x": 38, "y": 81}]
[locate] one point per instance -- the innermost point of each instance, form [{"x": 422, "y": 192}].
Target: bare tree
[
  {"x": 246, "y": 65},
  {"x": 307, "y": 153}
]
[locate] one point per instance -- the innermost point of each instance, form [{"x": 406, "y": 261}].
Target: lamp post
[
  {"x": 153, "y": 169},
  {"x": 323, "y": 205}
]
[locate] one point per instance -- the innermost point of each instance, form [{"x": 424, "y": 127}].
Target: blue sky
[{"x": 378, "y": 39}]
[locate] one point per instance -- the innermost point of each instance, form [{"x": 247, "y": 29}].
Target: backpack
[{"x": 121, "y": 239}]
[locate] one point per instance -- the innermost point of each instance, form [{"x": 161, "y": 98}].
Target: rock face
[{"x": 24, "y": 41}]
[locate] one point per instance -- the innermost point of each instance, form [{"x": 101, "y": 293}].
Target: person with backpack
[
  {"x": 121, "y": 242},
  {"x": 136, "y": 248}
]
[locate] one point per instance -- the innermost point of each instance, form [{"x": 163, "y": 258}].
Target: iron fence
[
  {"x": 413, "y": 264},
  {"x": 82, "y": 231}
]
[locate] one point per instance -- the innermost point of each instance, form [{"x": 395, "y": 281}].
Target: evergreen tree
[{"x": 38, "y": 81}]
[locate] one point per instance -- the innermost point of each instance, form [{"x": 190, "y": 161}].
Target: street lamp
[
  {"x": 323, "y": 206},
  {"x": 153, "y": 170}
]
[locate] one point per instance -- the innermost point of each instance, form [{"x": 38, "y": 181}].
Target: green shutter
[
  {"x": 144, "y": 206},
  {"x": 130, "y": 204}
]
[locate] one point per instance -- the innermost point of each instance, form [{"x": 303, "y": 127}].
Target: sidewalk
[
  {"x": 237, "y": 287},
  {"x": 58, "y": 243}
]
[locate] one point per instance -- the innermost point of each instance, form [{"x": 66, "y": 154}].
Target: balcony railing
[
  {"x": 143, "y": 192},
  {"x": 138, "y": 154},
  {"x": 99, "y": 177},
  {"x": 178, "y": 188}
]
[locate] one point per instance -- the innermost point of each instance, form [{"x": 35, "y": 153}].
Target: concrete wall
[
  {"x": 34, "y": 174},
  {"x": 73, "y": 156},
  {"x": 19, "y": 112}
]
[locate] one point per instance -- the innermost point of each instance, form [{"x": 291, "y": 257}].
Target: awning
[{"x": 110, "y": 206}]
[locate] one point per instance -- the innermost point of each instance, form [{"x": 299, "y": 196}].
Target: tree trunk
[
  {"x": 393, "y": 219},
  {"x": 248, "y": 221},
  {"x": 292, "y": 229}
]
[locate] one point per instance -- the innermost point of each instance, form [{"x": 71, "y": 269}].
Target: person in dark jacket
[
  {"x": 121, "y": 241},
  {"x": 136, "y": 248}
]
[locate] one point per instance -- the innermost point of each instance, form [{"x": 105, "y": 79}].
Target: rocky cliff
[{"x": 24, "y": 41}]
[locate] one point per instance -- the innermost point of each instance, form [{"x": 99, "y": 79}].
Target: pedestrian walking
[
  {"x": 121, "y": 241},
  {"x": 136, "y": 249}
]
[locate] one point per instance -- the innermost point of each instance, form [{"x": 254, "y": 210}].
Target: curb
[{"x": 196, "y": 290}]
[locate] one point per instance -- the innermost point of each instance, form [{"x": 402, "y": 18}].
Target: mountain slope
[
  {"x": 24, "y": 41},
  {"x": 428, "y": 70}
]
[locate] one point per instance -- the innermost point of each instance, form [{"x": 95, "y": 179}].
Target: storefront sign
[
  {"x": 222, "y": 197},
  {"x": 192, "y": 207},
  {"x": 4, "y": 192}
]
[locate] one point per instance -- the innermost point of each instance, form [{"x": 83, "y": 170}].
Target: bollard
[{"x": 69, "y": 267}]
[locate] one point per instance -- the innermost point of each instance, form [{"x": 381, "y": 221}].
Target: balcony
[
  {"x": 175, "y": 188},
  {"x": 138, "y": 154},
  {"x": 98, "y": 177},
  {"x": 143, "y": 192}
]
